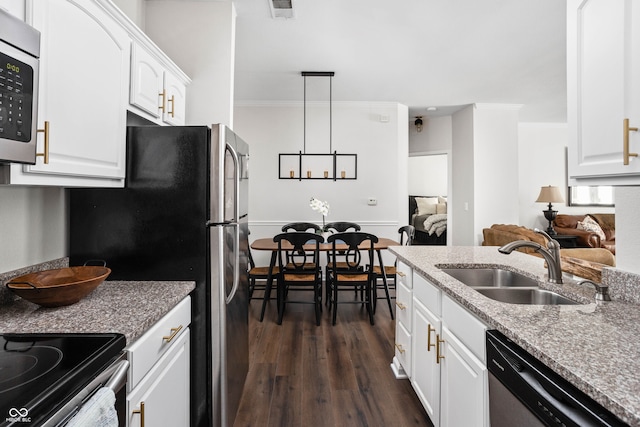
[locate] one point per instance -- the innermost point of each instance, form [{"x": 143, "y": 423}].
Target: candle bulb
[
  {"x": 291, "y": 174},
  {"x": 308, "y": 174},
  {"x": 326, "y": 174},
  {"x": 343, "y": 174}
]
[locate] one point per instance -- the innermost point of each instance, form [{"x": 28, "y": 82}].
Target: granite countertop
[
  {"x": 596, "y": 347},
  {"x": 125, "y": 307}
]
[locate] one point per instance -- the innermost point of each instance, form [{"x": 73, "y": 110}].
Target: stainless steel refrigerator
[{"x": 182, "y": 216}]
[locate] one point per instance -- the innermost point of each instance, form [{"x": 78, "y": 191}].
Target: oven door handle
[{"x": 119, "y": 377}]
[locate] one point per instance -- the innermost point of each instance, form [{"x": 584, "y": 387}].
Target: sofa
[
  {"x": 501, "y": 234},
  {"x": 592, "y": 230}
]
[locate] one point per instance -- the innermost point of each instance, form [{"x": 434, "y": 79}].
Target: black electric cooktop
[{"x": 40, "y": 372}]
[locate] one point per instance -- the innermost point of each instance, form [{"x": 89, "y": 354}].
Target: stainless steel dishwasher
[{"x": 524, "y": 392}]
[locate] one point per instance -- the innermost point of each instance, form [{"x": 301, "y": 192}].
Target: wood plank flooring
[{"x": 303, "y": 374}]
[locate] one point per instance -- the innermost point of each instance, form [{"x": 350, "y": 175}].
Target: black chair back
[
  {"x": 407, "y": 234},
  {"x": 301, "y": 226},
  {"x": 341, "y": 227},
  {"x": 294, "y": 257},
  {"x": 352, "y": 254}
]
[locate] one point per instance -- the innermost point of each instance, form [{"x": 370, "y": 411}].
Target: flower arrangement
[{"x": 320, "y": 206}]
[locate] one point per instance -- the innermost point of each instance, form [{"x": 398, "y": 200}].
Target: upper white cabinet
[
  {"x": 84, "y": 78},
  {"x": 603, "y": 89},
  {"x": 157, "y": 93},
  {"x": 93, "y": 60}
]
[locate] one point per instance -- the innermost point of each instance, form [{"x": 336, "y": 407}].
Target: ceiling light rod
[{"x": 306, "y": 74}]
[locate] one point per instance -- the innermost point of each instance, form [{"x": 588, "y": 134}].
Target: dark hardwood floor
[{"x": 303, "y": 374}]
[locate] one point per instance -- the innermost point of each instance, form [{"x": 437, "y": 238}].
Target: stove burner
[{"x": 22, "y": 365}]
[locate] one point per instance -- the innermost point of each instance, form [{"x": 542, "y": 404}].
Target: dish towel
[{"x": 99, "y": 411}]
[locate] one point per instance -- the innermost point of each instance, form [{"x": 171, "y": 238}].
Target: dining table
[{"x": 267, "y": 244}]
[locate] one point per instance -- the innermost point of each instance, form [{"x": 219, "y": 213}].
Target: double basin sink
[{"x": 506, "y": 286}]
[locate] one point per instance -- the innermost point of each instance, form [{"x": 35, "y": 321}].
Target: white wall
[
  {"x": 428, "y": 175},
  {"x": 200, "y": 38},
  {"x": 32, "y": 226},
  {"x": 134, "y": 9},
  {"x": 381, "y": 148},
  {"x": 485, "y": 170},
  {"x": 435, "y": 136}
]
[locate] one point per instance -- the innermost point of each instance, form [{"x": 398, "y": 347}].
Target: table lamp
[{"x": 550, "y": 194}]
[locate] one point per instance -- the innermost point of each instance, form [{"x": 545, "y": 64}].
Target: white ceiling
[{"x": 419, "y": 53}]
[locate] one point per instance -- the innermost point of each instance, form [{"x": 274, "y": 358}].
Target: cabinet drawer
[
  {"x": 405, "y": 274},
  {"x": 403, "y": 348},
  {"x": 427, "y": 294},
  {"x": 404, "y": 304},
  {"x": 148, "y": 349},
  {"x": 465, "y": 326}
]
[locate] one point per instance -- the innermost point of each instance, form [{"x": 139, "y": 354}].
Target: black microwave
[{"x": 19, "y": 66}]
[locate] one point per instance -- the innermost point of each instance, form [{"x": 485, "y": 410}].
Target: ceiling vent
[{"x": 281, "y": 8}]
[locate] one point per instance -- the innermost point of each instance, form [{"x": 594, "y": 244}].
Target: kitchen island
[
  {"x": 595, "y": 346},
  {"x": 126, "y": 307}
]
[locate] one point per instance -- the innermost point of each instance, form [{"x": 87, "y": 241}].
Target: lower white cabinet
[
  {"x": 447, "y": 358},
  {"x": 158, "y": 389},
  {"x": 426, "y": 374},
  {"x": 464, "y": 385}
]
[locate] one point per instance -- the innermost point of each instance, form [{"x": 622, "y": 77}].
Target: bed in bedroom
[{"x": 428, "y": 214}]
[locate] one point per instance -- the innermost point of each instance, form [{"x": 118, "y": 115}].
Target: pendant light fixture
[{"x": 330, "y": 165}]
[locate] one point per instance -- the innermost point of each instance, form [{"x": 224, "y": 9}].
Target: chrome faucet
[{"x": 551, "y": 254}]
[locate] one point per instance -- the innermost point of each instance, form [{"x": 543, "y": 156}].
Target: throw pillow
[
  {"x": 589, "y": 224},
  {"x": 441, "y": 208},
  {"x": 426, "y": 205},
  {"x": 442, "y": 199}
]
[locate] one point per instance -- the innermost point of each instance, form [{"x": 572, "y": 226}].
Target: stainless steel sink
[
  {"x": 532, "y": 296},
  {"x": 494, "y": 277},
  {"x": 506, "y": 286}
]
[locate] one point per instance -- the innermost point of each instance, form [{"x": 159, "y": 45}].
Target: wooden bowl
[{"x": 58, "y": 287}]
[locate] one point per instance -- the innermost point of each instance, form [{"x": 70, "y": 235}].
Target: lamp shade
[{"x": 550, "y": 194}]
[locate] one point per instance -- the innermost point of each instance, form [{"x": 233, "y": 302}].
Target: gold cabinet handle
[
  {"x": 174, "y": 332},
  {"x": 401, "y": 306},
  {"x": 46, "y": 143},
  {"x": 625, "y": 142},
  {"x": 401, "y": 274},
  {"x": 141, "y": 412},
  {"x": 429, "y": 330},
  {"x": 172, "y": 100},
  {"x": 163, "y": 95},
  {"x": 400, "y": 349},
  {"x": 438, "y": 347}
]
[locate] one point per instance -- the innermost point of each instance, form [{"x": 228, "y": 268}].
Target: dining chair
[
  {"x": 261, "y": 279},
  {"x": 356, "y": 275},
  {"x": 299, "y": 269},
  {"x": 387, "y": 281},
  {"x": 338, "y": 227}
]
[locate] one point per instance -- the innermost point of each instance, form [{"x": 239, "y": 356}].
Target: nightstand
[{"x": 566, "y": 241}]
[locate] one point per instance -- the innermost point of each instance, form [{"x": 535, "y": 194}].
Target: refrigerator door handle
[{"x": 236, "y": 218}]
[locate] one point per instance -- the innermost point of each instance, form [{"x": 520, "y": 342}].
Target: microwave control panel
[{"x": 16, "y": 98}]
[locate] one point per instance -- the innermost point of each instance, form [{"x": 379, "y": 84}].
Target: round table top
[{"x": 267, "y": 244}]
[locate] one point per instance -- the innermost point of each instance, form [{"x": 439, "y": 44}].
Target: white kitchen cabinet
[
  {"x": 447, "y": 356},
  {"x": 84, "y": 75},
  {"x": 464, "y": 384},
  {"x": 401, "y": 365},
  {"x": 156, "y": 93},
  {"x": 603, "y": 89},
  {"x": 158, "y": 381},
  {"x": 425, "y": 377}
]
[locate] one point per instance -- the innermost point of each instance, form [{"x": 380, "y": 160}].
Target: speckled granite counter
[
  {"x": 594, "y": 346},
  {"x": 129, "y": 308}
]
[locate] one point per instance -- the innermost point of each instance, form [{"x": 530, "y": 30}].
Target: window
[{"x": 591, "y": 196}]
